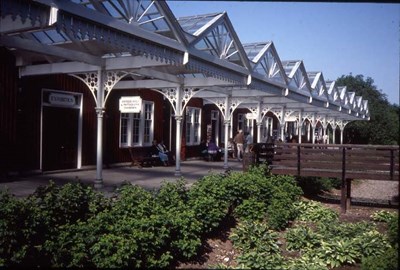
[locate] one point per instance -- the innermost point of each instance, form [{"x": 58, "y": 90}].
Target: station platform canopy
[{"x": 141, "y": 44}]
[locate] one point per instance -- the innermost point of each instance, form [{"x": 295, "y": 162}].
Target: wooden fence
[{"x": 343, "y": 161}]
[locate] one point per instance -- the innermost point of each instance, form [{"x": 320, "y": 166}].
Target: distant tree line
[{"x": 384, "y": 124}]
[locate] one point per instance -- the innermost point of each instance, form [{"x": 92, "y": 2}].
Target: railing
[{"x": 343, "y": 161}]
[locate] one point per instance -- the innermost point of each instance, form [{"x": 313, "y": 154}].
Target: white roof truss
[
  {"x": 297, "y": 74},
  {"x": 218, "y": 38},
  {"x": 266, "y": 61}
]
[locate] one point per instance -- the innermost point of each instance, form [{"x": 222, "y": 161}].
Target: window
[
  {"x": 245, "y": 124},
  {"x": 215, "y": 126},
  {"x": 137, "y": 128},
  {"x": 267, "y": 127},
  {"x": 192, "y": 125},
  {"x": 241, "y": 121}
]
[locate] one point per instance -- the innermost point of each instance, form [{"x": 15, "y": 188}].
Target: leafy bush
[
  {"x": 393, "y": 231},
  {"x": 249, "y": 236},
  {"x": 26, "y": 224},
  {"x": 336, "y": 229},
  {"x": 185, "y": 229},
  {"x": 13, "y": 234},
  {"x": 259, "y": 195},
  {"x": 389, "y": 260},
  {"x": 318, "y": 240},
  {"x": 280, "y": 212},
  {"x": 142, "y": 229},
  {"x": 335, "y": 253},
  {"x": 251, "y": 209},
  {"x": 392, "y": 220},
  {"x": 209, "y": 201},
  {"x": 302, "y": 238},
  {"x": 371, "y": 243},
  {"x": 259, "y": 246},
  {"x": 251, "y": 195},
  {"x": 312, "y": 211},
  {"x": 315, "y": 185},
  {"x": 383, "y": 216},
  {"x": 73, "y": 226}
]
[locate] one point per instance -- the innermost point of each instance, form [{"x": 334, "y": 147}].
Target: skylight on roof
[
  {"x": 192, "y": 24},
  {"x": 147, "y": 14}
]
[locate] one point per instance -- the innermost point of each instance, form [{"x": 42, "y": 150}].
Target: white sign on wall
[
  {"x": 250, "y": 116},
  {"x": 130, "y": 104}
]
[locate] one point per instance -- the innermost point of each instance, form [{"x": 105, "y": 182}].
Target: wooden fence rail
[{"x": 344, "y": 161}]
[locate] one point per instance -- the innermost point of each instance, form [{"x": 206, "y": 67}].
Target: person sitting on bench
[
  {"x": 204, "y": 149},
  {"x": 163, "y": 149},
  {"x": 212, "y": 150},
  {"x": 155, "y": 151}
]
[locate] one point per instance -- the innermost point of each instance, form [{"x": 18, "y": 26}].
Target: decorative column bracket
[
  {"x": 174, "y": 97},
  {"x": 108, "y": 79},
  {"x": 282, "y": 114},
  {"x": 227, "y": 105},
  {"x": 342, "y": 123}
]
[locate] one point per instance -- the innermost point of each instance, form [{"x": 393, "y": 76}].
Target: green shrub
[
  {"x": 306, "y": 263},
  {"x": 26, "y": 224},
  {"x": 389, "y": 260},
  {"x": 209, "y": 201},
  {"x": 250, "y": 235},
  {"x": 302, "y": 238},
  {"x": 384, "y": 216},
  {"x": 180, "y": 219},
  {"x": 14, "y": 235},
  {"x": 392, "y": 220},
  {"x": 280, "y": 212},
  {"x": 313, "y": 211},
  {"x": 336, "y": 229},
  {"x": 315, "y": 185},
  {"x": 251, "y": 209},
  {"x": 371, "y": 243},
  {"x": 142, "y": 229},
  {"x": 335, "y": 253},
  {"x": 255, "y": 183},
  {"x": 393, "y": 231},
  {"x": 259, "y": 246}
]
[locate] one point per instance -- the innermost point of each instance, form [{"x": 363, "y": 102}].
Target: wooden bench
[
  {"x": 143, "y": 161},
  {"x": 264, "y": 152}
]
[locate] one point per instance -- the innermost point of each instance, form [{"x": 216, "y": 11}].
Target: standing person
[{"x": 239, "y": 140}]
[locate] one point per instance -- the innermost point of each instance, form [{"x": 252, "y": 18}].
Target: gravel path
[{"x": 376, "y": 190}]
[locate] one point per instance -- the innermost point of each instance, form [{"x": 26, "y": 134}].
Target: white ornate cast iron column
[{"x": 100, "y": 84}]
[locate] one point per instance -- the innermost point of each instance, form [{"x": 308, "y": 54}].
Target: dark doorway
[{"x": 60, "y": 138}]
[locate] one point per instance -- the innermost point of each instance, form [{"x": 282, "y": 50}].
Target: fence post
[
  {"x": 348, "y": 193},
  {"x": 344, "y": 191},
  {"x": 298, "y": 160},
  {"x": 391, "y": 163}
]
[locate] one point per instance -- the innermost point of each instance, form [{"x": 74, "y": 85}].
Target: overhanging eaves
[
  {"x": 113, "y": 24},
  {"x": 30, "y": 46}
]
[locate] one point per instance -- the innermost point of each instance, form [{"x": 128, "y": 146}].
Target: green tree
[{"x": 383, "y": 126}]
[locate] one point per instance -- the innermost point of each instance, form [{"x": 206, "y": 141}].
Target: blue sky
[{"x": 335, "y": 38}]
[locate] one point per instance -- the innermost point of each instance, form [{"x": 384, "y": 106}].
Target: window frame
[
  {"x": 193, "y": 125},
  {"x": 137, "y": 122}
]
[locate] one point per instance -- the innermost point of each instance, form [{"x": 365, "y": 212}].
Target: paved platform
[{"x": 147, "y": 177}]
